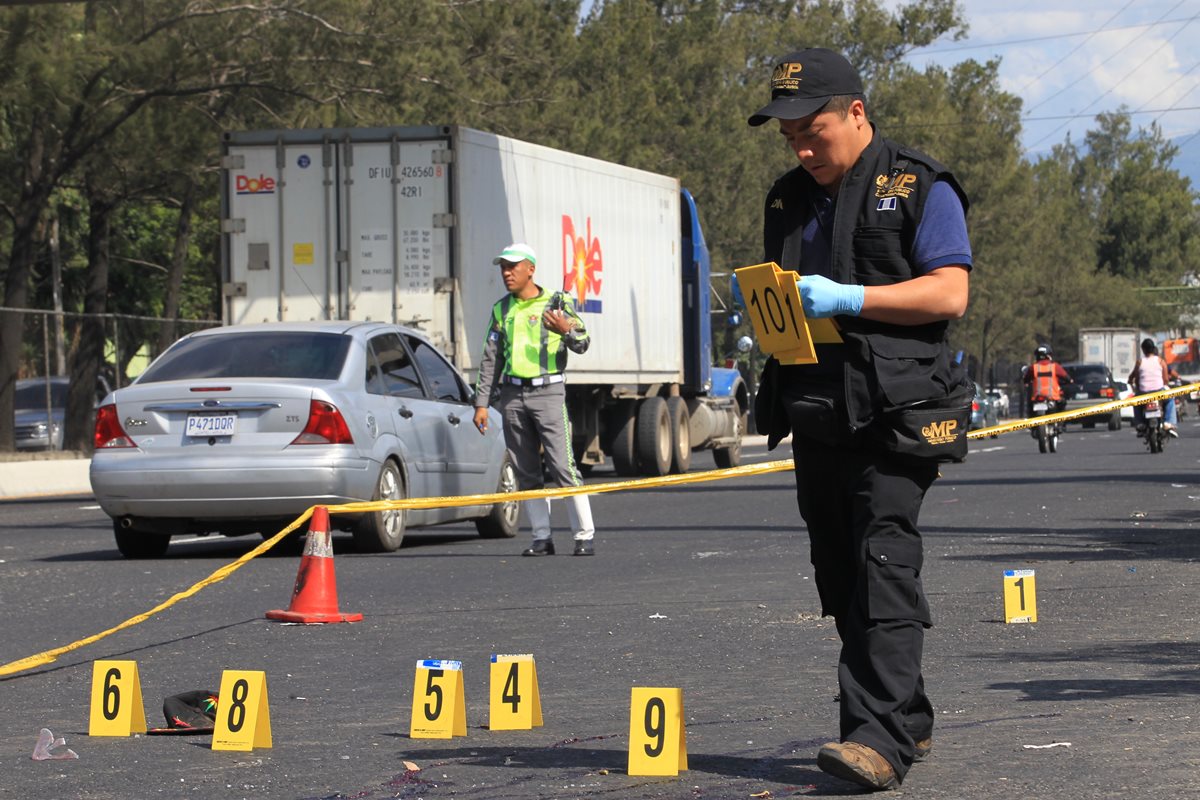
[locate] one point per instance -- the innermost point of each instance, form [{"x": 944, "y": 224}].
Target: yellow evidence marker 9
[
  {"x": 116, "y": 706},
  {"x": 1020, "y": 596},
  {"x": 439, "y": 709},
  {"x": 516, "y": 704},
  {"x": 657, "y": 739},
  {"x": 243, "y": 715}
]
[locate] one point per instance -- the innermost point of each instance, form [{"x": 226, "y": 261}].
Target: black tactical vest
[{"x": 890, "y": 370}]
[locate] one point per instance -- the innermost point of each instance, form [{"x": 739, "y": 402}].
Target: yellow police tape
[{"x": 746, "y": 470}]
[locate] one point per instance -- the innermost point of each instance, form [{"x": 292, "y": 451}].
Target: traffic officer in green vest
[{"x": 525, "y": 355}]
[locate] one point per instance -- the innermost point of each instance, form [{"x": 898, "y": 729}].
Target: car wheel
[
  {"x": 1114, "y": 421},
  {"x": 654, "y": 437},
  {"x": 135, "y": 544},
  {"x": 681, "y": 434},
  {"x": 383, "y": 531},
  {"x": 501, "y": 522}
]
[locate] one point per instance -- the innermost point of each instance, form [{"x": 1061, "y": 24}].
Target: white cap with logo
[{"x": 515, "y": 252}]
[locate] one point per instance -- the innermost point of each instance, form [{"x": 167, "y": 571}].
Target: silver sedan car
[{"x": 240, "y": 429}]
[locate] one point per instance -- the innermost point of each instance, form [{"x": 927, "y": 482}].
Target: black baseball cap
[{"x": 804, "y": 81}]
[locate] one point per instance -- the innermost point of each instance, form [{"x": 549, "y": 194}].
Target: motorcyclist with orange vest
[{"x": 1045, "y": 378}]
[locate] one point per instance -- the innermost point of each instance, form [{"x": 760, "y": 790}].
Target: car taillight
[
  {"x": 974, "y": 406},
  {"x": 109, "y": 434},
  {"x": 325, "y": 426},
  {"x": 1106, "y": 391}
]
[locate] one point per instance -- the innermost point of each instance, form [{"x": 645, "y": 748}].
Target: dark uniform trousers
[{"x": 861, "y": 509}]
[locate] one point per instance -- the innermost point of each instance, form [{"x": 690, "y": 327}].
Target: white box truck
[
  {"x": 1116, "y": 348},
  {"x": 401, "y": 224}
]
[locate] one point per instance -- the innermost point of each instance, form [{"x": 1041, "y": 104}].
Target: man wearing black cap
[{"x": 878, "y": 235}]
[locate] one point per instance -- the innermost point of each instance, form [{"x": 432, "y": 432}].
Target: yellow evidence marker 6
[
  {"x": 657, "y": 739},
  {"x": 439, "y": 708},
  {"x": 243, "y": 716},
  {"x": 1020, "y": 596},
  {"x": 515, "y": 703},
  {"x": 116, "y": 707}
]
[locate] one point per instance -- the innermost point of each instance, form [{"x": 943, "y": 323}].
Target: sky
[{"x": 1072, "y": 59}]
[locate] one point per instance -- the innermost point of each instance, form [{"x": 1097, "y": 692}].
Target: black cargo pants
[{"x": 861, "y": 509}]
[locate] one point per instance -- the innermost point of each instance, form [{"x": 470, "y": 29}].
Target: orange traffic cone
[{"x": 315, "y": 597}]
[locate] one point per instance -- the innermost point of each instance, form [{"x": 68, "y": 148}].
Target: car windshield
[
  {"x": 32, "y": 394},
  {"x": 1087, "y": 373},
  {"x": 306, "y": 355}
]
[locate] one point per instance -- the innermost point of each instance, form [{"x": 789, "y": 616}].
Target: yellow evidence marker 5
[
  {"x": 657, "y": 739},
  {"x": 116, "y": 706},
  {"x": 516, "y": 704},
  {"x": 439, "y": 709},
  {"x": 243, "y": 715},
  {"x": 1020, "y": 596}
]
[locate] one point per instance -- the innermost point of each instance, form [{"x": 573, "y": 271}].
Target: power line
[{"x": 1047, "y": 38}]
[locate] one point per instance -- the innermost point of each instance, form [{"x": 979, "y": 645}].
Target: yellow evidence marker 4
[
  {"x": 657, "y": 739},
  {"x": 439, "y": 709},
  {"x": 1020, "y": 596},
  {"x": 515, "y": 704},
  {"x": 243, "y": 714},
  {"x": 116, "y": 705}
]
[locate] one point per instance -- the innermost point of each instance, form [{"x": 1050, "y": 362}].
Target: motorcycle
[
  {"x": 1047, "y": 434},
  {"x": 1152, "y": 429}
]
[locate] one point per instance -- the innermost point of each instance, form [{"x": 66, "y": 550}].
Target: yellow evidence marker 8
[
  {"x": 116, "y": 706},
  {"x": 1020, "y": 596},
  {"x": 439, "y": 709},
  {"x": 516, "y": 704},
  {"x": 243, "y": 715},
  {"x": 657, "y": 739}
]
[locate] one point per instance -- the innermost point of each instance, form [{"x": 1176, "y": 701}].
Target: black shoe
[
  {"x": 540, "y": 547},
  {"x": 583, "y": 547}
]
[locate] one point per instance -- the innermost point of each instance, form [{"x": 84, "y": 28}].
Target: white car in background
[
  {"x": 1124, "y": 392},
  {"x": 999, "y": 400}
]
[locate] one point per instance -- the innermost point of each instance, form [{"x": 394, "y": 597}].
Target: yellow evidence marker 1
[
  {"x": 515, "y": 703},
  {"x": 439, "y": 708},
  {"x": 243, "y": 715},
  {"x": 657, "y": 739},
  {"x": 116, "y": 707},
  {"x": 1020, "y": 596}
]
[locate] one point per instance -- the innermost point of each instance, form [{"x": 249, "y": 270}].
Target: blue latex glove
[{"x": 822, "y": 297}]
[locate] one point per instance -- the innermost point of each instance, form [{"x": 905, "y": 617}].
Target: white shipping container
[{"x": 402, "y": 224}]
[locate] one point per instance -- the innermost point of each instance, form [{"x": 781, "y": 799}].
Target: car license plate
[
  {"x": 1081, "y": 396},
  {"x": 211, "y": 425},
  {"x": 1040, "y": 408}
]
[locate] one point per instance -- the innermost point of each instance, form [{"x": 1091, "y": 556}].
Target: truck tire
[
  {"x": 623, "y": 447},
  {"x": 726, "y": 457},
  {"x": 654, "y": 437},
  {"x": 383, "y": 531},
  {"x": 681, "y": 434},
  {"x": 502, "y": 521}
]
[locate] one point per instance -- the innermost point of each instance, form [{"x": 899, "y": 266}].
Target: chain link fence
[{"x": 55, "y": 344}]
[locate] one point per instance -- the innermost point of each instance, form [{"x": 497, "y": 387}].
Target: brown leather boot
[
  {"x": 859, "y": 764},
  {"x": 924, "y": 748}
]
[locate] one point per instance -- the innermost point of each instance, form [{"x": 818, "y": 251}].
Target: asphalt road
[{"x": 706, "y": 588}]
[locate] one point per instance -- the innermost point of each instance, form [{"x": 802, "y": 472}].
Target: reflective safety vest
[{"x": 1045, "y": 382}]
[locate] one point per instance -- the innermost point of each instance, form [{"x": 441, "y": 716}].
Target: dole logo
[
  {"x": 244, "y": 184},
  {"x": 582, "y": 263}
]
